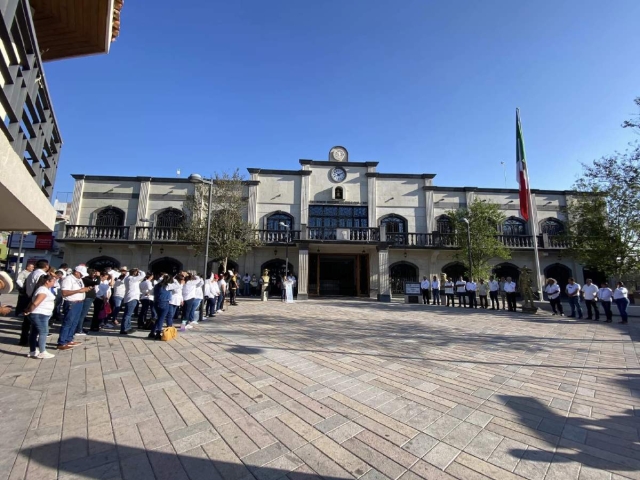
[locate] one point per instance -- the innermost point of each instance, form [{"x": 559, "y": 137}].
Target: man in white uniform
[{"x": 590, "y": 293}]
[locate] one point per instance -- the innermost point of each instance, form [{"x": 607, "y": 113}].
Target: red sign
[{"x": 44, "y": 241}]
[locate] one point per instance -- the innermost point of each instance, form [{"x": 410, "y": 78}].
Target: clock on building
[
  {"x": 338, "y": 174},
  {"x": 338, "y": 154}
]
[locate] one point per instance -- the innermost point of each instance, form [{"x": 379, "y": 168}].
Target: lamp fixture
[
  {"x": 100, "y": 249},
  {"x": 318, "y": 251},
  {"x": 364, "y": 251},
  {"x": 275, "y": 252},
  {"x": 161, "y": 250},
  {"x": 405, "y": 254}
]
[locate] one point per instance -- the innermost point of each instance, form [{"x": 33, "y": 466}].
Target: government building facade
[{"x": 346, "y": 229}]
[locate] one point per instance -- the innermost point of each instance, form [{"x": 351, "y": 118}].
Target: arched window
[
  {"x": 552, "y": 226},
  {"x": 339, "y": 193},
  {"x": 110, "y": 217},
  {"x": 171, "y": 217},
  {"x": 399, "y": 273},
  {"x": 394, "y": 224},
  {"x": 273, "y": 221},
  {"x": 444, "y": 224},
  {"x": 514, "y": 226}
]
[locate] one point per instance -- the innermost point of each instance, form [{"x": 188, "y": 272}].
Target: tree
[
  {"x": 604, "y": 220},
  {"x": 633, "y": 123},
  {"x": 484, "y": 218},
  {"x": 231, "y": 236}
]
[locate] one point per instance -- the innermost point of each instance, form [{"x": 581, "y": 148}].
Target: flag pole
[{"x": 533, "y": 218}]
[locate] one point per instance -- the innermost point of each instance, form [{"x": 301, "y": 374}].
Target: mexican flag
[{"x": 522, "y": 174}]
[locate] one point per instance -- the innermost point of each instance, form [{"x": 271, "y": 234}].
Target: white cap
[{"x": 82, "y": 270}]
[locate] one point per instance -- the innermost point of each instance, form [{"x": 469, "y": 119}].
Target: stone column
[
  {"x": 252, "y": 208},
  {"x": 384, "y": 287},
  {"x": 304, "y": 200},
  {"x": 76, "y": 202},
  {"x": 430, "y": 211},
  {"x": 470, "y": 195},
  {"x": 143, "y": 200},
  {"x": 303, "y": 272},
  {"x": 372, "y": 201}
]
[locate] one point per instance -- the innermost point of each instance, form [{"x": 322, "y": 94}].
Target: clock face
[
  {"x": 338, "y": 174},
  {"x": 338, "y": 154}
]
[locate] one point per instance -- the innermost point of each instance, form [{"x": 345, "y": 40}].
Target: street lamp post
[
  {"x": 196, "y": 178},
  {"x": 286, "y": 248},
  {"x": 152, "y": 223},
  {"x": 466, "y": 220}
]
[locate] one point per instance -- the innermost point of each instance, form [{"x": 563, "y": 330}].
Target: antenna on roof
[{"x": 178, "y": 173}]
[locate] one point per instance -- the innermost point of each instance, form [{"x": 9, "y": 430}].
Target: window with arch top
[
  {"x": 273, "y": 221},
  {"x": 338, "y": 193},
  {"x": 444, "y": 224},
  {"x": 514, "y": 226},
  {"x": 552, "y": 226},
  {"x": 171, "y": 217},
  {"x": 110, "y": 217},
  {"x": 394, "y": 224}
]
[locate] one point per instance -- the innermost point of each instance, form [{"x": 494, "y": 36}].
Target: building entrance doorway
[{"x": 338, "y": 275}]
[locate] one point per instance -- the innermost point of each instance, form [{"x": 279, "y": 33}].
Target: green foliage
[
  {"x": 231, "y": 236},
  {"x": 604, "y": 221},
  {"x": 484, "y": 218}
]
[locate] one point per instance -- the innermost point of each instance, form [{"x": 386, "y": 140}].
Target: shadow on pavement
[
  {"x": 609, "y": 443},
  {"x": 142, "y": 464}
]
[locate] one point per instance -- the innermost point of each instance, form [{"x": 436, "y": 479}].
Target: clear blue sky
[{"x": 422, "y": 86}]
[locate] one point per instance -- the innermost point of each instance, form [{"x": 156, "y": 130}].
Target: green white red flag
[{"x": 522, "y": 174}]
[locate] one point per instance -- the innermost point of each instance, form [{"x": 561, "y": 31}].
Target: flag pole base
[{"x": 528, "y": 309}]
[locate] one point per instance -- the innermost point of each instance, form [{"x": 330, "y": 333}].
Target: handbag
[{"x": 168, "y": 334}]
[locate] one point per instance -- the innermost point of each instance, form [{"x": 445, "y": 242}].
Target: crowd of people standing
[
  {"x": 477, "y": 295},
  {"x": 117, "y": 296}
]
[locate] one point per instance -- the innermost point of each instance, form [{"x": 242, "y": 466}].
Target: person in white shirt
[
  {"x": 494, "y": 286},
  {"x": 483, "y": 290},
  {"x": 461, "y": 292},
  {"x": 40, "y": 310},
  {"x": 620, "y": 296},
  {"x": 146, "y": 299},
  {"x": 510, "y": 291},
  {"x": 41, "y": 268},
  {"x": 502, "y": 292},
  {"x": 131, "y": 298},
  {"x": 449, "y": 292},
  {"x": 191, "y": 283},
  {"x": 176, "y": 298},
  {"x": 425, "y": 286},
  {"x": 211, "y": 292},
  {"x": 435, "y": 289},
  {"x": 605, "y": 295},
  {"x": 73, "y": 292},
  {"x": 471, "y": 288},
  {"x": 246, "y": 285},
  {"x": 117, "y": 294},
  {"x": 590, "y": 294},
  {"x": 199, "y": 298},
  {"x": 222, "y": 284},
  {"x": 552, "y": 289},
  {"x": 103, "y": 292},
  {"x": 573, "y": 291}
]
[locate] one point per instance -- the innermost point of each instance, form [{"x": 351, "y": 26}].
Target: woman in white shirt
[
  {"x": 552, "y": 289},
  {"x": 211, "y": 292},
  {"x": 605, "y": 295},
  {"x": 620, "y": 297},
  {"x": 40, "y": 310}
]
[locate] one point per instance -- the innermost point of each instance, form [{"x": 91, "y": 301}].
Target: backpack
[
  {"x": 161, "y": 294},
  {"x": 168, "y": 334}
]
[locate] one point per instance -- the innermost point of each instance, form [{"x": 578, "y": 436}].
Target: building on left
[{"x": 33, "y": 32}]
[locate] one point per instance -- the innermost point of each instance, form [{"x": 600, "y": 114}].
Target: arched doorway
[
  {"x": 231, "y": 265},
  {"x": 166, "y": 265},
  {"x": 507, "y": 270},
  {"x": 276, "y": 270},
  {"x": 454, "y": 270},
  {"x": 399, "y": 273},
  {"x": 103, "y": 263},
  {"x": 560, "y": 273}
]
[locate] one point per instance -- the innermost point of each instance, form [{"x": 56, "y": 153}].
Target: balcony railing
[
  {"x": 516, "y": 241},
  {"x": 278, "y": 236},
  {"x": 29, "y": 122},
  {"x": 344, "y": 234},
  {"x": 555, "y": 241},
  {"x": 160, "y": 234},
  {"x": 93, "y": 232}
]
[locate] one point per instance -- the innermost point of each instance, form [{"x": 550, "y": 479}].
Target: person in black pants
[
  {"x": 510, "y": 289},
  {"x": 425, "y": 286}
]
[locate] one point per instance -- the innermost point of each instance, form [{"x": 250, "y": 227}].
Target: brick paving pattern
[{"x": 334, "y": 390}]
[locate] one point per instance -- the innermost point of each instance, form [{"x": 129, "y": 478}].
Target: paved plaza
[{"x": 330, "y": 389}]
